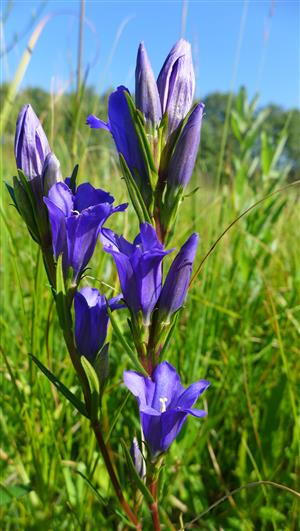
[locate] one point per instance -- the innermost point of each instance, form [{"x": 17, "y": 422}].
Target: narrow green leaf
[
  {"x": 139, "y": 482},
  {"x": 139, "y": 367},
  {"x": 99, "y": 497},
  {"x": 61, "y": 297},
  {"x": 80, "y": 406},
  {"x": 134, "y": 193},
  {"x": 11, "y": 193},
  {"x": 142, "y": 137},
  {"x": 116, "y": 417},
  {"x": 94, "y": 387},
  {"x": 266, "y": 153},
  {"x": 73, "y": 177},
  {"x": 170, "y": 334}
]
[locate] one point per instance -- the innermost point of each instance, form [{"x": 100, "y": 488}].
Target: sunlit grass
[{"x": 240, "y": 328}]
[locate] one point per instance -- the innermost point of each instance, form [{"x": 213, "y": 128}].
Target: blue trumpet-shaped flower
[
  {"x": 91, "y": 320},
  {"x": 164, "y": 404},
  {"x": 176, "y": 285},
  {"x": 139, "y": 266},
  {"x": 76, "y": 221},
  {"x": 121, "y": 127}
]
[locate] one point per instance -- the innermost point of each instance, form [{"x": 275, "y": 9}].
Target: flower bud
[
  {"x": 146, "y": 93},
  {"x": 91, "y": 322},
  {"x": 184, "y": 157},
  {"x": 31, "y": 144},
  {"x": 175, "y": 288},
  {"x": 137, "y": 458},
  {"x": 51, "y": 172},
  {"x": 176, "y": 83}
]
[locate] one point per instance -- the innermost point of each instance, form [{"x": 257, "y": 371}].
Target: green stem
[
  {"x": 115, "y": 482},
  {"x": 67, "y": 332}
]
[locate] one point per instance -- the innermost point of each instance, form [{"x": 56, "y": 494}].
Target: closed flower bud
[
  {"x": 31, "y": 144},
  {"x": 146, "y": 93},
  {"x": 176, "y": 83},
  {"x": 184, "y": 157},
  {"x": 91, "y": 322},
  {"x": 51, "y": 172},
  {"x": 175, "y": 288},
  {"x": 137, "y": 458}
]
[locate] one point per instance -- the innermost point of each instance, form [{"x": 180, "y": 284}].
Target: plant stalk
[
  {"x": 154, "y": 507},
  {"x": 117, "y": 487}
]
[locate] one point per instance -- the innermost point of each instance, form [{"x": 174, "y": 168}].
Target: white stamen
[
  {"x": 163, "y": 406},
  {"x": 75, "y": 212}
]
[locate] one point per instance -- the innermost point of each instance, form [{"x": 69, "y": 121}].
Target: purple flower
[
  {"x": 176, "y": 83},
  {"x": 164, "y": 404},
  {"x": 183, "y": 159},
  {"x": 146, "y": 92},
  {"x": 76, "y": 220},
  {"x": 139, "y": 266},
  {"x": 121, "y": 127},
  {"x": 175, "y": 287},
  {"x": 91, "y": 320},
  {"x": 31, "y": 144}
]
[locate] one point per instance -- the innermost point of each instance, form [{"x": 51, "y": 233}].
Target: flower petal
[
  {"x": 199, "y": 413},
  {"x": 91, "y": 321},
  {"x": 96, "y": 123},
  {"x": 142, "y": 388},
  {"x": 152, "y": 429},
  {"x": 31, "y": 143},
  {"x": 167, "y": 385},
  {"x": 82, "y": 234},
  {"x": 87, "y": 196},
  {"x": 148, "y": 238},
  {"x": 184, "y": 157},
  {"x": 123, "y": 131},
  {"x": 61, "y": 195},
  {"x": 188, "y": 398},
  {"x": 146, "y": 92},
  {"x": 175, "y": 287},
  {"x": 58, "y": 227},
  {"x": 127, "y": 279},
  {"x": 172, "y": 422},
  {"x": 176, "y": 83},
  {"x": 51, "y": 173}
]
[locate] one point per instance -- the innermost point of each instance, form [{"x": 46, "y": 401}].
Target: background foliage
[{"x": 240, "y": 328}]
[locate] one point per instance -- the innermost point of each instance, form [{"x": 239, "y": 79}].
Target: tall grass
[{"x": 240, "y": 328}]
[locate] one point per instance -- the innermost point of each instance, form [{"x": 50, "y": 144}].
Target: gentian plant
[{"x": 157, "y": 138}]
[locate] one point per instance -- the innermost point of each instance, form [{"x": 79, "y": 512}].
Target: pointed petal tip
[{"x": 95, "y": 123}]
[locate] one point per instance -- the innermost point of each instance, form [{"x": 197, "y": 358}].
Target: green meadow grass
[{"x": 240, "y": 329}]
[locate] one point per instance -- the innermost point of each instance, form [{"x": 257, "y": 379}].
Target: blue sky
[{"x": 268, "y": 32}]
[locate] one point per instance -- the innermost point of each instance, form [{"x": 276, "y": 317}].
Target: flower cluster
[{"x": 157, "y": 138}]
